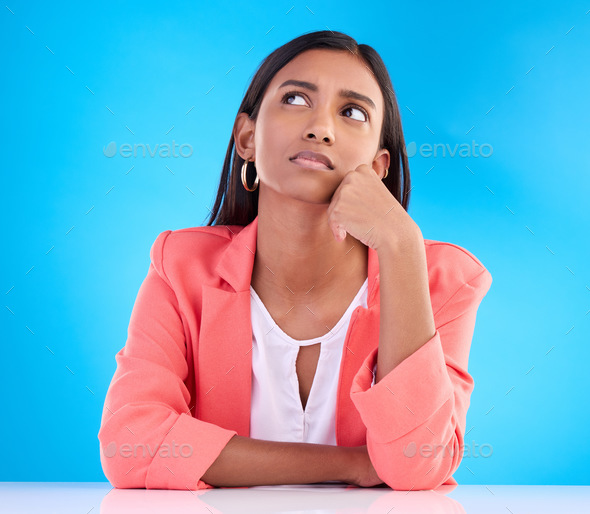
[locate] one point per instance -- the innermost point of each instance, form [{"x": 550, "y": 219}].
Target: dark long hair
[{"x": 236, "y": 206}]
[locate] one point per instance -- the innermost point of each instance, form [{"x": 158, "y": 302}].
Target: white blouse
[{"x": 276, "y": 410}]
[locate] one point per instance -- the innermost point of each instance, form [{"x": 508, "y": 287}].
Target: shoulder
[
  {"x": 443, "y": 256},
  {"x": 196, "y": 248},
  {"x": 452, "y": 268}
]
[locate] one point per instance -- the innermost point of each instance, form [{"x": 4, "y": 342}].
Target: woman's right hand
[{"x": 363, "y": 473}]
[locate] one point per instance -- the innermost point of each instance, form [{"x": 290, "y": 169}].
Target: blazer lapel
[
  {"x": 225, "y": 344},
  {"x": 362, "y": 337},
  {"x": 225, "y": 340}
]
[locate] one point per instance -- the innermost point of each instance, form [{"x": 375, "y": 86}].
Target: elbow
[
  {"x": 416, "y": 481},
  {"x": 123, "y": 468},
  {"x": 412, "y": 468},
  {"x": 119, "y": 472}
]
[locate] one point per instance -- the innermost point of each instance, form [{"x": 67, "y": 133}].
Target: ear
[
  {"x": 381, "y": 162},
  {"x": 243, "y": 133}
]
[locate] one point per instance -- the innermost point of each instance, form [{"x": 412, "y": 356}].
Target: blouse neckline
[{"x": 306, "y": 342}]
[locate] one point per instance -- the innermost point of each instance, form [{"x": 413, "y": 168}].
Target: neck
[{"x": 296, "y": 253}]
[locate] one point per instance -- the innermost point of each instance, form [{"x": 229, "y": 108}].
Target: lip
[
  {"x": 315, "y": 160},
  {"x": 311, "y": 164}
]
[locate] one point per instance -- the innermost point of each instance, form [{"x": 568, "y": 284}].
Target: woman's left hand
[{"x": 364, "y": 207}]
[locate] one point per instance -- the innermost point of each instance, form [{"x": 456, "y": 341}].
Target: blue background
[{"x": 78, "y": 225}]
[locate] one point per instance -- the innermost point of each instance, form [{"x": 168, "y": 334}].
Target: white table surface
[{"x": 95, "y": 497}]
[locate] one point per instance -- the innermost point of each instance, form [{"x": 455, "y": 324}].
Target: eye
[
  {"x": 362, "y": 111},
  {"x": 293, "y": 94},
  {"x": 289, "y": 95}
]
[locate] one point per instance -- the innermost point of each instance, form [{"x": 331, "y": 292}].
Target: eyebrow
[{"x": 345, "y": 93}]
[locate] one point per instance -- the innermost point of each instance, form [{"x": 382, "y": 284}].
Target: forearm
[
  {"x": 406, "y": 317},
  {"x": 248, "y": 462}
]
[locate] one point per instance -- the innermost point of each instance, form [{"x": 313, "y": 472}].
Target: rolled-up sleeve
[
  {"x": 148, "y": 435},
  {"x": 416, "y": 414}
]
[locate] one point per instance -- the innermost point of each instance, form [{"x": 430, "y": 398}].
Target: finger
[
  {"x": 337, "y": 231},
  {"x": 364, "y": 167}
]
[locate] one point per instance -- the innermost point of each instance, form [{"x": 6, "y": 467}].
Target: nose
[{"x": 320, "y": 127}]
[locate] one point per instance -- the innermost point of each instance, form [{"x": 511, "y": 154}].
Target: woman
[{"x": 308, "y": 333}]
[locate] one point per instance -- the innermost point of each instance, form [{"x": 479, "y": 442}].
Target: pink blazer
[{"x": 182, "y": 386}]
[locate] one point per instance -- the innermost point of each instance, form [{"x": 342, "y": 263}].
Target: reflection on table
[{"x": 325, "y": 498}]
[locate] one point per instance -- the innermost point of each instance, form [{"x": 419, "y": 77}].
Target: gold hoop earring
[
  {"x": 244, "y": 182},
  {"x": 386, "y": 173}
]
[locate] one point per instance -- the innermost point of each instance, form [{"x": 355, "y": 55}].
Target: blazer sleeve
[
  {"x": 416, "y": 414},
  {"x": 148, "y": 436}
]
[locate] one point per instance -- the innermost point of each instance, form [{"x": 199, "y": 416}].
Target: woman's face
[{"x": 296, "y": 117}]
